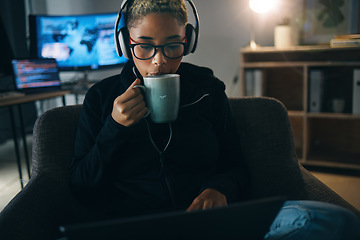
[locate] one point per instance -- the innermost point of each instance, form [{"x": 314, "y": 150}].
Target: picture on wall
[{"x": 323, "y": 19}]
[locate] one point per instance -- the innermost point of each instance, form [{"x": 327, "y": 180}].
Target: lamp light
[
  {"x": 259, "y": 6},
  {"x": 262, "y": 6}
]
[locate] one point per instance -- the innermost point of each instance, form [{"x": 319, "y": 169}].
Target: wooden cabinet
[{"x": 315, "y": 83}]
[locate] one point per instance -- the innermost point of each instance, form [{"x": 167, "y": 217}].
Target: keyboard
[{"x": 10, "y": 94}]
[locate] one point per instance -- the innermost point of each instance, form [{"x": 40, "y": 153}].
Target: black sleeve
[{"x": 98, "y": 142}]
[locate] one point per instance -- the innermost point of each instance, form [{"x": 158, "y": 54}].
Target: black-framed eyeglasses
[{"x": 145, "y": 51}]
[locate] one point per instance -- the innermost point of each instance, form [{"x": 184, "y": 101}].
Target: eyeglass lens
[{"x": 146, "y": 51}]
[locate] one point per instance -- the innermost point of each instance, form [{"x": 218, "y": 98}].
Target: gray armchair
[{"x": 266, "y": 141}]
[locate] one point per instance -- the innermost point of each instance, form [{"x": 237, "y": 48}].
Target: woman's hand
[
  {"x": 129, "y": 107},
  {"x": 209, "y": 198}
]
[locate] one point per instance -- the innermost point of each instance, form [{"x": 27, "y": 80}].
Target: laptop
[
  {"x": 244, "y": 220},
  {"x": 36, "y": 75}
]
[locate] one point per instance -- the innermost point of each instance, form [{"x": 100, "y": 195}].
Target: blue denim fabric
[{"x": 314, "y": 220}]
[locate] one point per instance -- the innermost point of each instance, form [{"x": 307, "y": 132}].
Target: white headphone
[{"x": 122, "y": 35}]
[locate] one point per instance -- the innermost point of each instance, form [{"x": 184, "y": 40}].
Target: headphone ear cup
[
  {"x": 123, "y": 38},
  {"x": 190, "y": 36}
]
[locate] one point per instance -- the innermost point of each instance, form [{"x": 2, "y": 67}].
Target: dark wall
[
  {"x": 6, "y": 51},
  {"x": 6, "y": 55},
  {"x": 13, "y": 34},
  {"x": 13, "y": 16},
  {"x": 13, "y": 19}
]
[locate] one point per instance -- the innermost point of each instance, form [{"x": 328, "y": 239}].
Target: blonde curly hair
[{"x": 137, "y": 9}]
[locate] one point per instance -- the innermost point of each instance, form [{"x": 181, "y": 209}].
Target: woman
[{"x": 125, "y": 164}]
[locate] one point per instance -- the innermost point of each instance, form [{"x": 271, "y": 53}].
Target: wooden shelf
[
  {"x": 321, "y": 138},
  {"x": 301, "y": 53},
  {"x": 301, "y": 49},
  {"x": 296, "y": 113},
  {"x": 330, "y": 158},
  {"x": 327, "y": 164},
  {"x": 300, "y": 64},
  {"x": 334, "y": 116}
]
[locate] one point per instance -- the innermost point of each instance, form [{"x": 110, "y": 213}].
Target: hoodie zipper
[
  {"x": 161, "y": 153},
  {"x": 162, "y": 160}
]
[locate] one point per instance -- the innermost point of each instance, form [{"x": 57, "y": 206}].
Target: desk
[{"x": 17, "y": 101}]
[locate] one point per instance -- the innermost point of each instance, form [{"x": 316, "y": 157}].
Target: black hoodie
[{"x": 152, "y": 167}]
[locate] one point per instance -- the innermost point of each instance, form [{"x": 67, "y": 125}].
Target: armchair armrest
[
  {"x": 36, "y": 211},
  {"x": 45, "y": 202},
  {"x": 268, "y": 147}
]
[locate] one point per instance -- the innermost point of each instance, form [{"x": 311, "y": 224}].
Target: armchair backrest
[
  {"x": 53, "y": 142},
  {"x": 266, "y": 142},
  {"x": 268, "y": 148}
]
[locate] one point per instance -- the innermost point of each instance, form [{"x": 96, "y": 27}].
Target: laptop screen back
[
  {"x": 243, "y": 220},
  {"x": 36, "y": 73}
]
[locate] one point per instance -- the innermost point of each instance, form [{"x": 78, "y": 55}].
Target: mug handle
[{"x": 143, "y": 89}]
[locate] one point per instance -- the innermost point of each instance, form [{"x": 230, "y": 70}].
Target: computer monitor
[
  {"x": 36, "y": 74},
  {"x": 77, "y": 42}
]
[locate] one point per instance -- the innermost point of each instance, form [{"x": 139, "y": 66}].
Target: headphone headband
[
  {"x": 122, "y": 35},
  {"x": 197, "y": 28}
]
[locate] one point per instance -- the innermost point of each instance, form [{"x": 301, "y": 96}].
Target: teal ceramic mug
[{"x": 162, "y": 96}]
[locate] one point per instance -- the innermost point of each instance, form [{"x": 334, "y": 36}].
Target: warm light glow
[{"x": 262, "y": 6}]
